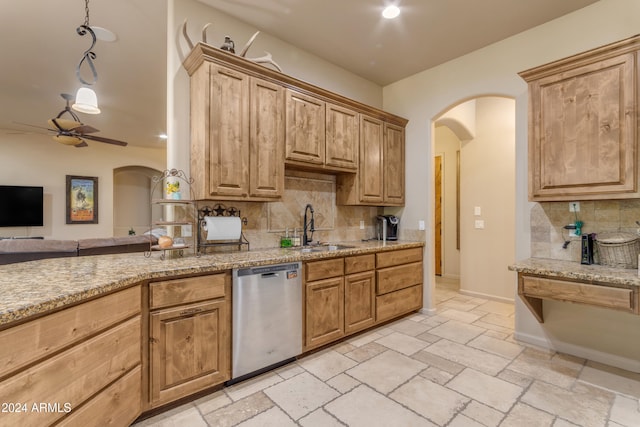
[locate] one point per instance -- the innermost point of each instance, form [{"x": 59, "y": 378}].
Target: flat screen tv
[{"x": 21, "y": 206}]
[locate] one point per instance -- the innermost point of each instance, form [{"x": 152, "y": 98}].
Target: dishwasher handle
[{"x": 269, "y": 275}]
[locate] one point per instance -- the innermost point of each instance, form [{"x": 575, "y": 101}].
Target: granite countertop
[
  {"x": 574, "y": 270},
  {"x": 37, "y": 287}
]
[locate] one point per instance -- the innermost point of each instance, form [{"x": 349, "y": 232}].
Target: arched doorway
[
  {"x": 478, "y": 208},
  {"x": 131, "y": 199}
]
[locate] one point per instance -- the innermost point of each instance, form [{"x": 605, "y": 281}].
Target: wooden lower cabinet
[
  {"x": 75, "y": 367},
  {"x": 324, "y": 311},
  {"x": 399, "y": 278},
  {"x": 359, "y": 302},
  {"x": 190, "y": 342}
]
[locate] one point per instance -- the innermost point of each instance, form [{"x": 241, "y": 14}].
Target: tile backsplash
[
  {"x": 548, "y": 219},
  {"x": 267, "y": 221}
]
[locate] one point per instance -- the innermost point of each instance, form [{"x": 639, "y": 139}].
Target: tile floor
[{"x": 458, "y": 368}]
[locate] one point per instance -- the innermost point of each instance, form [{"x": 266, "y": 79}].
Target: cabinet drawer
[
  {"x": 598, "y": 295},
  {"x": 118, "y": 405},
  {"x": 359, "y": 263},
  {"x": 398, "y": 277},
  {"x": 73, "y": 376},
  {"x": 324, "y": 269},
  {"x": 403, "y": 256},
  {"x": 33, "y": 340},
  {"x": 187, "y": 290},
  {"x": 397, "y": 303}
]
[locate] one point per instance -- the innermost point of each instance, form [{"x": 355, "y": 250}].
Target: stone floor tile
[
  {"x": 559, "y": 422},
  {"x": 248, "y": 387},
  {"x": 461, "y": 316},
  {"x": 438, "y": 362},
  {"x": 402, "y": 343},
  {"x": 498, "y": 335},
  {"x": 496, "y": 346},
  {"x": 499, "y": 320},
  {"x": 290, "y": 370},
  {"x": 417, "y": 317},
  {"x": 462, "y": 420},
  {"x": 493, "y": 327},
  {"x": 301, "y": 395},
  {"x": 611, "y": 378},
  {"x": 614, "y": 424},
  {"x": 427, "y": 337},
  {"x": 433, "y": 321},
  {"x": 409, "y": 327},
  {"x": 491, "y": 391},
  {"x": 458, "y": 305},
  {"x": 516, "y": 378},
  {"x": 366, "y": 352},
  {"x": 186, "y": 415},
  {"x": 273, "y": 417},
  {"x": 239, "y": 411},
  {"x": 212, "y": 402},
  {"x": 538, "y": 365},
  {"x": 386, "y": 371},
  {"x": 326, "y": 365},
  {"x": 343, "y": 383},
  {"x": 584, "y": 405},
  {"x": 436, "y": 375},
  {"x": 457, "y": 331},
  {"x": 626, "y": 411},
  {"x": 524, "y": 415},
  {"x": 433, "y": 401},
  {"x": 497, "y": 307},
  {"x": 360, "y": 340},
  {"x": 467, "y": 356},
  {"x": 364, "y": 407},
  {"x": 344, "y": 347},
  {"x": 320, "y": 418},
  {"x": 483, "y": 414}
]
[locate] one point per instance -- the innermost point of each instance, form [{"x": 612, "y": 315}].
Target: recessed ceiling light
[{"x": 391, "y": 12}]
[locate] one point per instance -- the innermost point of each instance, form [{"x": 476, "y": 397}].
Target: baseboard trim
[
  {"x": 626, "y": 363},
  {"x": 486, "y": 296}
]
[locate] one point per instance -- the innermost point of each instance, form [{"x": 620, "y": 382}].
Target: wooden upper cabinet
[
  {"x": 305, "y": 128},
  {"x": 371, "y": 160},
  {"x": 266, "y": 149},
  {"x": 393, "y": 164},
  {"x": 342, "y": 137},
  {"x": 583, "y": 125}
]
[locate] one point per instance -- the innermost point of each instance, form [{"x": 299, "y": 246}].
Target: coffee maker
[{"x": 391, "y": 222}]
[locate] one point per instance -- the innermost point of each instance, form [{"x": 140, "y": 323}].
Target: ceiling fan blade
[
  {"x": 107, "y": 140},
  {"x": 35, "y": 126},
  {"x": 82, "y": 144},
  {"x": 83, "y": 129}
]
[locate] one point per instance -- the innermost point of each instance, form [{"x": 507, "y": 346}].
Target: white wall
[
  {"x": 493, "y": 71},
  {"x": 29, "y": 159}
]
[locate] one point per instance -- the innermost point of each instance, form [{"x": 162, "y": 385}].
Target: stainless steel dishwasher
[{"x": 267, "y": 318}]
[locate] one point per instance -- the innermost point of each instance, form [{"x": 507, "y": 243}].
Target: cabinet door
[
  {"x": 341, "y": 150},
  {"x": 228, "y": 133},
  {"x": 324, "y": 312},
  {"x": 266, "y": 150},
  {"x": 370, "y": 174},
  {"x": 189, "y": 350},
  {"x": 582, "y": 132},
  {"x": 359, "y": 302},
  {"x": 393, "y": 164},
  {"x": 305, "y": 128}
]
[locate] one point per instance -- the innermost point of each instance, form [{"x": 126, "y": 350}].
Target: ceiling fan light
[{"x": 86, "y": 101}]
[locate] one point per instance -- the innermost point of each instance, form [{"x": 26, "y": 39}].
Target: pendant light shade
[{"x": 86, "y": 101}]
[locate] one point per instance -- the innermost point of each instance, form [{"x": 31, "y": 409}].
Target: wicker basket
[{"x": 618, "y": 249}]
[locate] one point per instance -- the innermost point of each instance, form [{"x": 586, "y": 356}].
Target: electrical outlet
[
  {"x": 574, "y": 206},
  {"x": 479, "y": 224},
  {"x": 361, "y": 225}
]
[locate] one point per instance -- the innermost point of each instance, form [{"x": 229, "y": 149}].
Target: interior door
[{"x": 438, "y": 214}]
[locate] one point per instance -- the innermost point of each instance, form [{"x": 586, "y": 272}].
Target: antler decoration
[{"x": 266, "y": 59}]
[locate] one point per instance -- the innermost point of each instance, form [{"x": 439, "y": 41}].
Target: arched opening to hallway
[{"x": 474, "y": 142}]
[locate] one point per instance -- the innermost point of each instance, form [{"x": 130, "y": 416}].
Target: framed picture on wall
[{"x": 82, "y": 199}]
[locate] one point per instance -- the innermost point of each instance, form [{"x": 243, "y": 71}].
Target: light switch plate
[
  {"x": 421, "y": 225},
  {"x": 477, "y": 211},
  {"x": 574, "y": 206},
  {"x": 361, "y": 225}
]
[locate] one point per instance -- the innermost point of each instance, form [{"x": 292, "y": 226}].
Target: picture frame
[{"x": 82, "y": 199}]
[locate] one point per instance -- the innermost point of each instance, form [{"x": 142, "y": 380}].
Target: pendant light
[{"x": 86, "y": 99}]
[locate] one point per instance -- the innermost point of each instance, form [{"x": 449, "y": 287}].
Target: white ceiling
[{"x": 40, "y": 48}]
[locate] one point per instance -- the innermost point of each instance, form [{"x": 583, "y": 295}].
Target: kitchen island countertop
[{"x": 34, "y": 288}]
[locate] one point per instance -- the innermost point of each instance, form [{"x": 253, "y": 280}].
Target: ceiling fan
[{"x": 74, "y": 132}]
